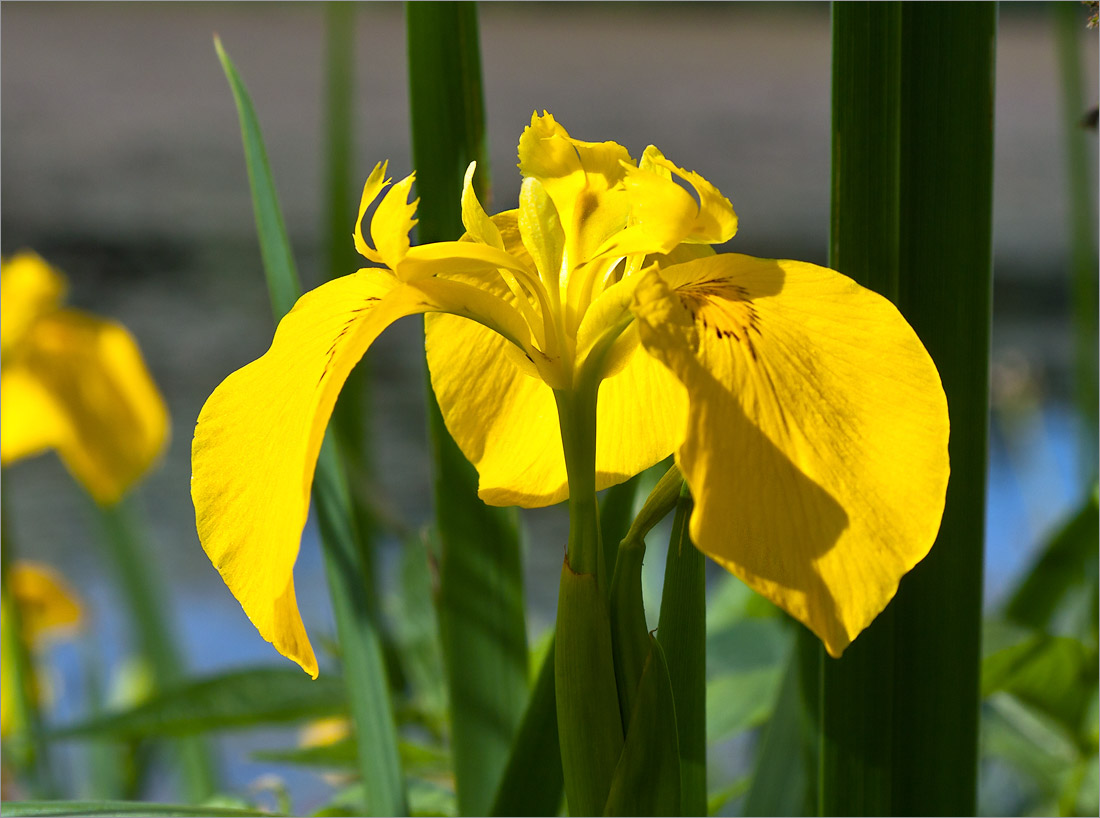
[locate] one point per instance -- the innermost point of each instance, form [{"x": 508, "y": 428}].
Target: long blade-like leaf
[
  {"x": 345, "y": 562},
  {"x": 912, "y": 149},
  {"x": 481, "y": 609},
  {"x": 237, "y": 699},
  {"x": 682, "y": 632},
  {"x": 41, "y": 809}
]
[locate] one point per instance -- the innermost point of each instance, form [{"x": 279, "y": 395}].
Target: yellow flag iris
[
  {"x": 804, "y": 413},
  {"x": 47, "y": 607},
  {"x": 74, "y": 383}
]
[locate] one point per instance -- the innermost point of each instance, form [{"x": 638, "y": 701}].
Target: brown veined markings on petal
[
  {"x": 371, "y": 299},
  {"x": 722, "y": 308}
]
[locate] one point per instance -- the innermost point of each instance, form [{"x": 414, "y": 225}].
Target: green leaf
[
  {"x": 416, "y": 631},
  {"x": 1063, "y": 579},
  {"x": 647, "y": 777},
  {"x": 532, "y": 781},
  {"x": 589, "y": 724},
  {"x": 39, "y": 809},
  {"x": 279, "y": 266},
  {"x": 912, "y": 200},
  {"x": 481, "y": 595},
  {"x": 1054, "y": 674},
  {"x": 347, "y": 558},
  {"x": 629, "y": 634},
  {"x": 682, "y": 633},
  {"x": 779, "y": 783},
  {"x": 240, "y": 698},
  {"x": 746, "y": 662}
]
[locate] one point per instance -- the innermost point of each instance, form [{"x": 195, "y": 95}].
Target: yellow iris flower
[
  {"x": 73, "y": 382},
  {"x": 806, "y": 416},
  {"x": 47, "y": 607}
]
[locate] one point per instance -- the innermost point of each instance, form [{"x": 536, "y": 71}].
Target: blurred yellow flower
[
  {"x": 48, "y": 608},
  {"x": 73, "y": 382},
  {"x": 806, "y": 416}
]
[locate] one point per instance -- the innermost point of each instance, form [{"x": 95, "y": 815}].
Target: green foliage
[
  {"x": 482, "y": 616},
  {"x": 241, "y": 698},
  {"x": 40, "y": 809}
]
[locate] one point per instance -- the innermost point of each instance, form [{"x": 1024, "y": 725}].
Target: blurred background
[{"x": 121, "y": 164}]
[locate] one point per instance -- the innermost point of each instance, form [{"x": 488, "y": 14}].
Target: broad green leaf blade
[
  {"x": 242, "y": 698},
  {"x": 682, "y": 632},
  {"x": 481, "y": 609},
  {"x": 1054, "y": 674},
  {"x": 40, "y": 809},
  {"x": 532, "y": 782},
  {"x": 779, "y": 783},
  {"x": 647, "y": 777},
  {"x": 1064, "y": 577},
  {"x": 912, "y": 171},
  {"x": 346, "y": 559},
  {"x": 746, "y": 662}
]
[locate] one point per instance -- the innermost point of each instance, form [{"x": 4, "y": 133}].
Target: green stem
[
  {"x": 590, "y": 728},
  {"x": 144, "y": 596},
  {"x": 577, "y": 417},
  {"x": 31, "y": 753}
]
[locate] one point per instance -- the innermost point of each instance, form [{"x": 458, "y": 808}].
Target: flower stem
[
  {"x": 577, "y": 417},
  {"x": 589, "y": 725}
]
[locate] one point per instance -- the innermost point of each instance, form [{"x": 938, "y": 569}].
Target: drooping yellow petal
[
  {"x": 29, "y": 289},
  {"x": 79, "y": 384},
  {"x": 258, "y": 438},
  {"x": 816, "y": 446}
]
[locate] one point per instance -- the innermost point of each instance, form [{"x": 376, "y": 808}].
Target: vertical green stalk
[
  {"x": 681, "y": 630},
  {"x": 31, "y": 752},
  {"x": 590, "y": 728},
  {"x": 912, "y": 200},
  {"x": 1081, "y": 188},
  {"x": 349, "y": 583},
  {"x": 858, "y": 691},
  {"x": 144, "y": 597},
  {"x": 482, "y": 617}
]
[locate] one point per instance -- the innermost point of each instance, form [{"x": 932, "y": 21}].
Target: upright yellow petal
[
  {"x": 258, "y": 437},
  {"x": 79, "y": 384},
  {"x": 583, "y": 180},
  {"x": 816, "y": 446},
  {"x": 29, "y": 289},
  {"x": 715, "y": 221},
  {"x": 47, "y": 604}
]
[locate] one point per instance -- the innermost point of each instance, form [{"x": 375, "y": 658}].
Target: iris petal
[
  {"x": 78, "y": 384},
  {"x": 816, "y": 445},
  {"x": 258, "y": 437}
]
